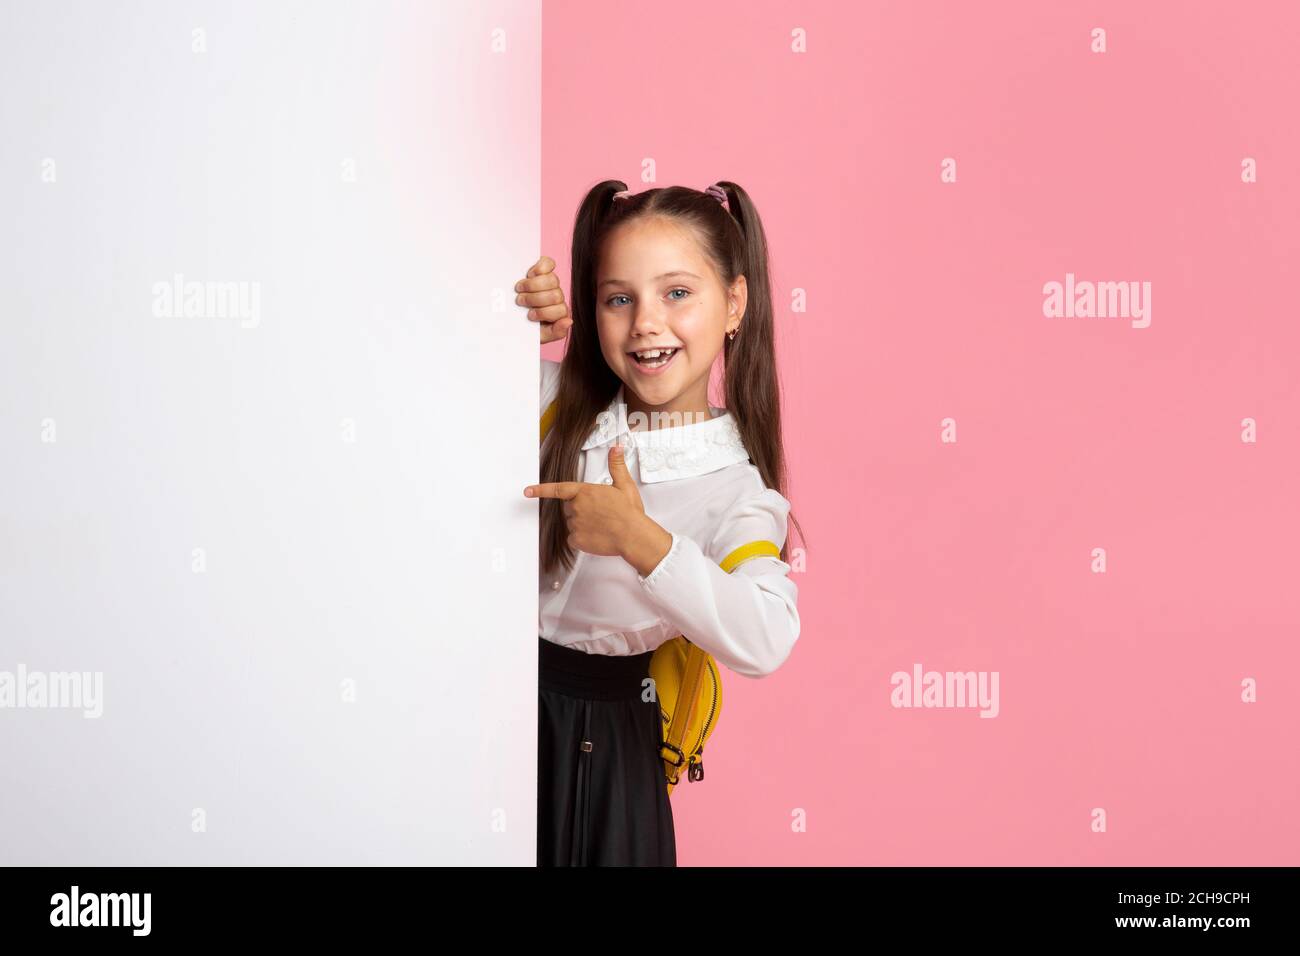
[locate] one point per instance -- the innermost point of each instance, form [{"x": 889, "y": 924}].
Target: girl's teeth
[{"x": 652, "y": 358}]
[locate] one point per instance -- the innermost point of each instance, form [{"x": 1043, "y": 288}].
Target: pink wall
[{"x": 1119, "y": 690}]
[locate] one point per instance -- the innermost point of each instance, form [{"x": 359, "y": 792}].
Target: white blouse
[{"x": 697, "y": 483}]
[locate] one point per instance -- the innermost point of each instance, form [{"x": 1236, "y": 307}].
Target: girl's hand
[
  {"x": 540, "y": 291},
  {"x": 609, "y": 519}
]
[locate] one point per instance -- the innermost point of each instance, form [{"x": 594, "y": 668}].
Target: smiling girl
[{"x": 647, "y": 492}]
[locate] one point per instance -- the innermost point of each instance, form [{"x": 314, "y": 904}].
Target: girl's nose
[{"x": 647, "y": 320}]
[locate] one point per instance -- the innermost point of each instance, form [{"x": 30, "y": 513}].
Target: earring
[{"x": 732, "y": 334}]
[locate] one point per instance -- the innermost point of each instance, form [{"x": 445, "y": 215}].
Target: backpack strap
[
  {"x": 746, "y": 551},
  {"x": 548, "y": 417}
]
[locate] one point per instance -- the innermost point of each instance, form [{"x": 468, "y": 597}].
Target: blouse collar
[{"x": 680, "y": 451}]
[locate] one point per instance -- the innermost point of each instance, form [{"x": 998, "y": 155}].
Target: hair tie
[
  {"x": 718, "y": 193},
  {"x": 621, "y": 194}
]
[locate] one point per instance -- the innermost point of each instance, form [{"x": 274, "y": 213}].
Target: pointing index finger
[{"x": 553, "y": 489}]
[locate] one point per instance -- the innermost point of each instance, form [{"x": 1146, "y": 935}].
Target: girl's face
[{"x": 655, "y": 289}]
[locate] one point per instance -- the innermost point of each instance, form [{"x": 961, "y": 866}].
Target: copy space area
[{"x": 267, "y": 409}]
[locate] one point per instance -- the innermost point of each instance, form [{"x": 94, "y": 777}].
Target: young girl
[{"x": 646, "y": 490}]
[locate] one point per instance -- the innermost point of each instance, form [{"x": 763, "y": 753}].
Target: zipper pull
[{"x": 697, "y": 770}]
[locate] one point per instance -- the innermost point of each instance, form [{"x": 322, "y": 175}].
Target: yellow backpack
[{"x": 681, "y": 672}]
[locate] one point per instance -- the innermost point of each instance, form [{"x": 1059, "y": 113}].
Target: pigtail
[
  {"x": 587, "y": 384},
  {"x": 753, "y": 391}
]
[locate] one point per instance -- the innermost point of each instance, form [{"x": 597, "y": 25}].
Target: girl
[{"x": 646, "y": 490}]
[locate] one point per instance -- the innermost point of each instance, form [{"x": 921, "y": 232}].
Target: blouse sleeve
[{"x": 747, "y": 619}]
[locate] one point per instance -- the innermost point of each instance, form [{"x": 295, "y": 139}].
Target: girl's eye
[{"x": 613, "y": 299}]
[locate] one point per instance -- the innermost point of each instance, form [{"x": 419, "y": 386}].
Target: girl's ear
[{"x": 738, "y": 298}]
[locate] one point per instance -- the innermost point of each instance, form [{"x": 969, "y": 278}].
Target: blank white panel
[{"x": 285, "y": 528}]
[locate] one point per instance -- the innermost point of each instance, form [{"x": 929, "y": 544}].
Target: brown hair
[{"x": 735, "y": 243}]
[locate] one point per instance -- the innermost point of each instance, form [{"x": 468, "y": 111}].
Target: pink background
[{"x": 1119, "y": 690}]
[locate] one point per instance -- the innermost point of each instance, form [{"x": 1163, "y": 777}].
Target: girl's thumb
[{"x": 617, "y": 466}]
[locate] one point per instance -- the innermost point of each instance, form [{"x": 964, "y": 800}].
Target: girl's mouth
[{"x": 653, "y": 361}]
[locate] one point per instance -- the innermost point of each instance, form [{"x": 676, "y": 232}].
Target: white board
[{"x": 280, "y": 517}]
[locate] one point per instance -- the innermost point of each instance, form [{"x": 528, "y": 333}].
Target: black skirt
[{"x": 602, "y": 798}]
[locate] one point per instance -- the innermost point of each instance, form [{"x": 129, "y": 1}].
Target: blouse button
[
  {"x": 555, "y": 585},
  {"x": 607, "y": 480}
]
